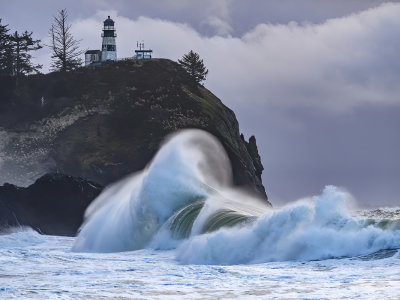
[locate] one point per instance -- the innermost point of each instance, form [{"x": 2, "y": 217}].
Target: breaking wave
[{"x": 184, "y": 201}]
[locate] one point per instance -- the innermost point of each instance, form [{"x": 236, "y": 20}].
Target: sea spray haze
[{"x": 184, "y": 200}]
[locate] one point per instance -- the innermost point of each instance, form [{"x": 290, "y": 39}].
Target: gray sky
[{"x": 316, "y": 81}]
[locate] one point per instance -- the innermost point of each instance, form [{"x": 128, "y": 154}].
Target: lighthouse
[{"x": 108, "y": 48}]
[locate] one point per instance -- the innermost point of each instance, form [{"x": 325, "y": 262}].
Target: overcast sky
[{"x": 317, "y": 81}]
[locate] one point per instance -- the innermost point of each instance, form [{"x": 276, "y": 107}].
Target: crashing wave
[{"x": 184, "y": 200}]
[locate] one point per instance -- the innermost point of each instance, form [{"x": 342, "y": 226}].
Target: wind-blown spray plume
[{"x": 189, "y": 167}]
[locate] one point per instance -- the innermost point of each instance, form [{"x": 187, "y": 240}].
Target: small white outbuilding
[{"x": 92, "y": 57}]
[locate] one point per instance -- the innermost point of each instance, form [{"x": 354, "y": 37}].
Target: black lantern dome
[{"x": 109, "y": 22}]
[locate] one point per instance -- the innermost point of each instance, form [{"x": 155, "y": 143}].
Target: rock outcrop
[
  {"x": 103, "y": 123},
  {"x": 54, "y": 204}
]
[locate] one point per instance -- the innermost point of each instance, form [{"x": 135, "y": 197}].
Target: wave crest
[{"x": 183, "y": 200}]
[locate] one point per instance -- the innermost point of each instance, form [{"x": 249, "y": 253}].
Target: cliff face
[{"x": 106, "y": 122}]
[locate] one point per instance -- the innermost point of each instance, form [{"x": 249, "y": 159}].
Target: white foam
[
  {"x": 317, "y": 228},
  {"x": 127, "y": 215},
  {"x": 20, "y": 237}
]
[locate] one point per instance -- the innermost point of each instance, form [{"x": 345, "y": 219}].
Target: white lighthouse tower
[{"x": 108, "y": 48}]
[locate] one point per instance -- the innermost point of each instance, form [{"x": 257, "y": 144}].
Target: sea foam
[{"x": 312, "y": 229}]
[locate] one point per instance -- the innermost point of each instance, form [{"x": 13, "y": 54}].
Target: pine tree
[
  {"x": 5, "y": 51},
  {"x": 15, "y": 57},
  {"x": 66, "y": 53},
  {"x": 21, "y": 46},
  {"x": 192, "y": 63}
]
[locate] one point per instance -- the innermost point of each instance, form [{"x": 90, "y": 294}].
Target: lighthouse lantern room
[{"x": 108, "y": 48}]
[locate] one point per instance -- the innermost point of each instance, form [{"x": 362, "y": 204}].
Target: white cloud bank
[{"x": 342, "y": 63}]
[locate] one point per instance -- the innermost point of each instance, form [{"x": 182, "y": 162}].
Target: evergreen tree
[
  {"x": 5, "y": 51},
  {"x": 21, "y": 46},
  {"x": 66, "y": 53},
  {"x": 192, "y": 63}
]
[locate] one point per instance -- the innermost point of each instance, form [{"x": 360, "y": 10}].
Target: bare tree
[{"x": 66, "y": 53}]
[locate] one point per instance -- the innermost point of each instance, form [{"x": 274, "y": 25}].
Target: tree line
[{"x": 16, "y": 51}]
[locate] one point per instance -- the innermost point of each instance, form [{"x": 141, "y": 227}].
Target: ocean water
[
  {"x": 178, "y": 229},
  {"x": 44, "y": 267}
]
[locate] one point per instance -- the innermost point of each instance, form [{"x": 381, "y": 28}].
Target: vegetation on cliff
[{"x": 194, "y": 65}]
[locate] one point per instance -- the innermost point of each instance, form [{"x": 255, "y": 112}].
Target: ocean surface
[
  {"x": 178, "y": 229},
  {"x": 44, "y": 267}
]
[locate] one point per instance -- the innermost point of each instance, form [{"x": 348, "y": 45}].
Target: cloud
[
  {"x": 337, "y": 65},
  {"x": 220, "y": 27}
]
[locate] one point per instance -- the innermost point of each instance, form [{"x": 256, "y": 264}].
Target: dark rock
[
  {"x": 54, "y": 204},
  {"x": 253, "y": 151},
  {"x": 103, "y": 123}
]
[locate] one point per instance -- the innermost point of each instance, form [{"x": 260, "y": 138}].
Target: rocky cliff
[
  {"x": 54, "y": 204},
  {"x": 105, "y": 122}
]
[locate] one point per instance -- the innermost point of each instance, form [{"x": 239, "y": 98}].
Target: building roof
[
  {"x": 109, "y": 22},
  {"x": 92, "y": 52}
]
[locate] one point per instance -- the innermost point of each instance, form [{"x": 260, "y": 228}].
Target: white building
[{"x": 92, "y": 57}]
